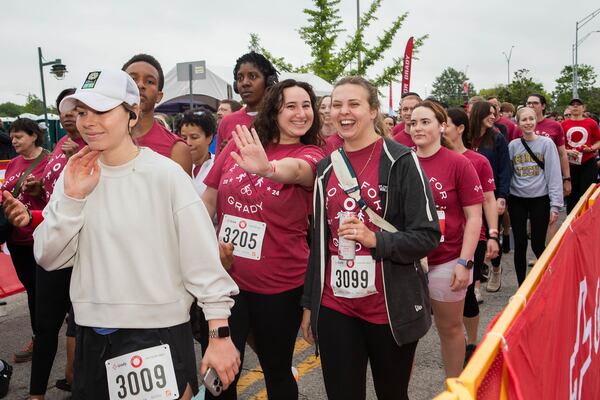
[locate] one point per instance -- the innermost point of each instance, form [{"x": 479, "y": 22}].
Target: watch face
[
  {"x": 470, "y": 264},
  {"x": 223, "y": 332}
]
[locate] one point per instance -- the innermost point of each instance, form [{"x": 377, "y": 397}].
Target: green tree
[
  {"x": 9, "y": 109},
  {"x": 585, "y": 85},
  {"x": 517, "y": 91},
  {"x": 522, "y": 86},
  {"x": 448, "y": 87},
  {"x": 331, "y": 60}
]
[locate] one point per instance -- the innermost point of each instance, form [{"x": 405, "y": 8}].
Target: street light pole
[
  {"x": 357, "y": 29},
  {"x": 508, "y": 57},
  {"x": 578, "y": 25},
  {"x": 59, "y": 70}
]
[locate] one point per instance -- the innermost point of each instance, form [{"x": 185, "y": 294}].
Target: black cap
[{"x": 576, "y": 100}]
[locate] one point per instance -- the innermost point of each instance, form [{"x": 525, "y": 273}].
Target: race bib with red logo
[
  {"x": 245, "y": 234},
  {"x": 143, "y": 374}
]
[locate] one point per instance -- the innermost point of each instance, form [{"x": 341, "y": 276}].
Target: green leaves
[{"x": 330, "y": 62}]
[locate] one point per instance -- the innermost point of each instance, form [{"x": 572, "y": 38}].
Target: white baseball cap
[{"x": 103, "y": 90}]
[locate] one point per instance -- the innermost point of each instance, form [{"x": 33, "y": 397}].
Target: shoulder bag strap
[
  {"x": 38, "y": 159},
  {"x": 537, "y": 160},
  {"x": 347, "y": 178}
]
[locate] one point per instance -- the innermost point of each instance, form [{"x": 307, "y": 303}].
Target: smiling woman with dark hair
[{"x": 260, "y": 190}]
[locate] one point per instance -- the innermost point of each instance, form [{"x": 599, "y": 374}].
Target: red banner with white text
[
  {"x": 407, "y": 66},
  {"x": 553, "y": 345}
]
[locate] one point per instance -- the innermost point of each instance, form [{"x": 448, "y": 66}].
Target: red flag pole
[{"x": 406, "y": 68}]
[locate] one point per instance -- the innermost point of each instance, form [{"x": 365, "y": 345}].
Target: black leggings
[
  {"x": 52, "y": 305},
  {"x": 274, "y": 320},
  {"x": 582, "y": 176},
  {"x": 471, "y": 308},
  {"x": 25, "y": 266},
  {"x": 537, "y": 210},
  {"x": 347, "y": 344}
]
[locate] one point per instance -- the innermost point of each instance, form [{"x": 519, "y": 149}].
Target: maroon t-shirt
[
  {"x": 365, "y": 164},
  {"x": 454, "y": 183},
  {"x": 283, "y": 208},
  {"x": 486, "y": 176},
  {"x": 510, "y": 127},
  {"x": 399, "y": 127},
  {"x": 159, "y": 139},
  {"x": 16, "y": 167},
  {"x": 581, "y": 132},
  {"x": 228, "y": 124},
  {"x": 404, "y": 138},
  {"x": 549, "y": 128},
  {"x": 332, "y": 143},
  {"x": 56, "y": 164}
]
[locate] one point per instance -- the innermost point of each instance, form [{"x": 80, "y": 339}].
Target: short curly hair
[{"x": 264, "y": 66}]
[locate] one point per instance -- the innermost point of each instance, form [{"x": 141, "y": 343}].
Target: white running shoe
[{"x": 495, "y": 281}]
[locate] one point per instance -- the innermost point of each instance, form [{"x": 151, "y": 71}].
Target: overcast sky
[{"x": 466, "y": 35}]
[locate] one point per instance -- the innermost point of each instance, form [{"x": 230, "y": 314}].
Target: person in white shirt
[
  {"x": 142, "y": 246},
  {"x": 197, "y": 130}
]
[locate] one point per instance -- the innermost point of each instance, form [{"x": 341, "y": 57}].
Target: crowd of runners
[{"x": 315, "y": 215}]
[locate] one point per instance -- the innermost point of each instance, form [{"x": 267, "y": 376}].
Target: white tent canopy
[{"x": 218, "y": 78}]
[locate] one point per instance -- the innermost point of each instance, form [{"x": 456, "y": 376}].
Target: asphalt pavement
[{"x": 427, "y": 379}]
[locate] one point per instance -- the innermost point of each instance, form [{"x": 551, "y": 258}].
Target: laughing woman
[{"x": 379, "y": 318}]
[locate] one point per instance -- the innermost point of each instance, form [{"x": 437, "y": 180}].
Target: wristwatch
[
  {"x": 220, "y": 332},
  {"x": 468, "y": 264}
]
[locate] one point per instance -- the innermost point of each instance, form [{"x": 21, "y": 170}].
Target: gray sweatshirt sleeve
[{"x": 553, "y": 175}]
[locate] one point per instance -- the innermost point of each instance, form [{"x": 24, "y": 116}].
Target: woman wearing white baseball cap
[{"x": 142, "y": 246}]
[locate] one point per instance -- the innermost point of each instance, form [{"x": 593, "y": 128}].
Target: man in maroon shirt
[
  {"x": 401, "y": 132},
  {"x": 582, "y": 141},
  {"x": 148, "y": 75}
]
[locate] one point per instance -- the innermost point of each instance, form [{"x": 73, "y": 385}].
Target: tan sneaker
[
  {"x": 495, "y": 281},
  {"x": 25, "y": 354}
]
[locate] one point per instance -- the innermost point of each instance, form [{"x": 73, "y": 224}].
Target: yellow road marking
[
  {"x": 255, "y": 374},
  {"x": 306, "y": 366}
]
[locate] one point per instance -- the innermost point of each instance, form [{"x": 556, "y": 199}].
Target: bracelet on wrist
[
  {"x": 567, "y": 178},
  {"x": 272, "y": 170}
]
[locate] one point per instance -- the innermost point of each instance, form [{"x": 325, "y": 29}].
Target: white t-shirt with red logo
[
  {"x": 266, "y": 220},
  {"x": 579, "y": 133},
  {"x": 369, "y": 303},
  {"x": 454, "y": 183}
]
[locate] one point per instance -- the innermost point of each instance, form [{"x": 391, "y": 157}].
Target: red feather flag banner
[
  {"x": 391, "y": 102},
  {"x": 407, "y": 65}
]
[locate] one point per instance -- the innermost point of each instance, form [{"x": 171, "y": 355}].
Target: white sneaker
[
  {"x": 495, "y": 281},
  {"x": 478, "y": 296}
]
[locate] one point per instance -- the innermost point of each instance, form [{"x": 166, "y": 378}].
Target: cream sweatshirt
[{"x": 141, "y": 245}]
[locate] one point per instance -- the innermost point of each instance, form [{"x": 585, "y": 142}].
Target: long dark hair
[
  {"x": 459, "y": 117},
  {"x": 266, "y": 121},
  {"x": 479, "y": 112}
]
